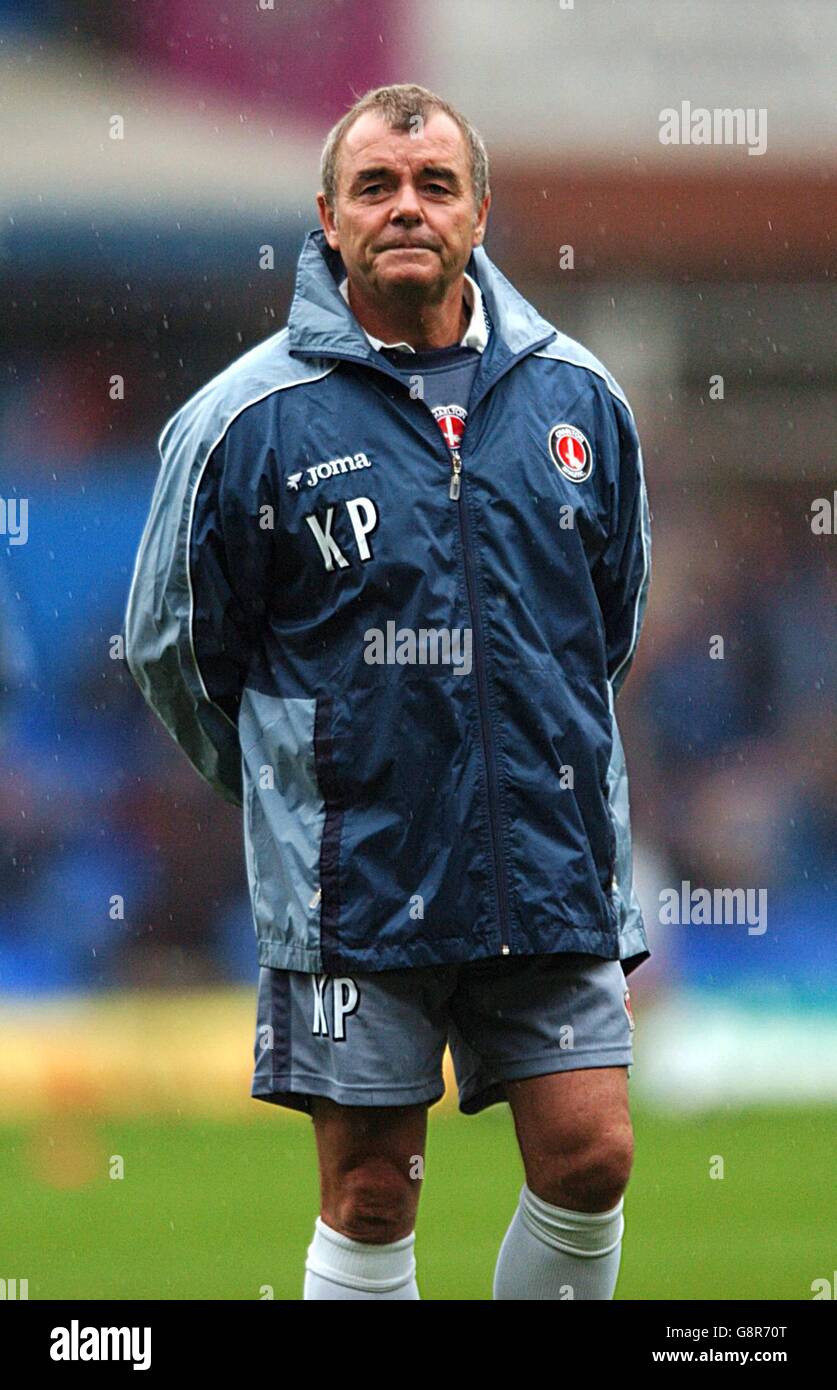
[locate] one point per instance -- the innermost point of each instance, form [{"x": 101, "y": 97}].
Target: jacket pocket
[
  {"x": 558, "y": 765},
  {"x": 283, "y": 821}
]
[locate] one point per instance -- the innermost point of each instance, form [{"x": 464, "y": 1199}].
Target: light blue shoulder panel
[{"x": 158, "y": 622}]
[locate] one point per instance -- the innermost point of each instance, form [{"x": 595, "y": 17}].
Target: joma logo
[{"x": 349, "y": 463}]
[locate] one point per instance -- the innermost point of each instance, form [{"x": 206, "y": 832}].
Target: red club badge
[
  {"x": 571, "y": 453},
  {"x": 451, "y": 421}
]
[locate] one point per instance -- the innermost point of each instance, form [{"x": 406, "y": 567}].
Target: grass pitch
[{"x": 223, "y": 1209}]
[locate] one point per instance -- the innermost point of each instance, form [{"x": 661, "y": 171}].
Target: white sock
[
  {"x": 339, "y": 1268},
  {"x": 551, "y": 1252}
]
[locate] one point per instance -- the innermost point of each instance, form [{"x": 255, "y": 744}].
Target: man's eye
[
  {"x": 438, "y": 187},
  {"x": 371, "y": 187}
]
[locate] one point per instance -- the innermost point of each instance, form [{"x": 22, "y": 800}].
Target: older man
[{"x": 437, "y": 852}]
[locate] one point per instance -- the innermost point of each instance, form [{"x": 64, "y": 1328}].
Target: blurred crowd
[{"x": 728, "y": 721}]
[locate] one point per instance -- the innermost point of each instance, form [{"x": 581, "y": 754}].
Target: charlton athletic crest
[
  {"x": 451, "y": 421},
  {"x": 571, "y": 452}
]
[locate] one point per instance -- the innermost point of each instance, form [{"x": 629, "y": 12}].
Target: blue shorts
[{"x": 379, "y": 1038}]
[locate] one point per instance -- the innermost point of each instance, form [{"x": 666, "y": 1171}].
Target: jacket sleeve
[
  {"x": 199, "y": 591},
  {"x": 623, "y": 571},
  {"x": 622, "y": 577}
]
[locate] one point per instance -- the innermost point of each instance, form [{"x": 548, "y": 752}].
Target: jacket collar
[{"x": 322, "y": 324}]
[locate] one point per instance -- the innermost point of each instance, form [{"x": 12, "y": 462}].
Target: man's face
[{"x": 404, "y": 220}]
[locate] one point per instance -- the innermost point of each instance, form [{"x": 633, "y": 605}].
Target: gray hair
[{"x": 399, "y": 106}]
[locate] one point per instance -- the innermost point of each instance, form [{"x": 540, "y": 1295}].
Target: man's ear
[
  {"x": 481, "y": 219},
  {"x": 328, "y": 221}
]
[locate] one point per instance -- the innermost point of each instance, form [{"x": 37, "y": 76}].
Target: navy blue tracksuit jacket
[{"x": 405, "y": 811}]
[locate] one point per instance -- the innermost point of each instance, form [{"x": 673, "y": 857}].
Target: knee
[
  {"x": 374, "y": 1202},
  {"x": 591, "y": 1177}
]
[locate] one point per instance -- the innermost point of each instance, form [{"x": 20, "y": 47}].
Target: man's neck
[{"x": 424, "y": 327}]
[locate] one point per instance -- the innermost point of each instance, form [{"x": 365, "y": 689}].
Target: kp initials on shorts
[{"x": 345, "y": 1000}]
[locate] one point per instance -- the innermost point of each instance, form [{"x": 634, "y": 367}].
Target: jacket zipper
[
  {"x": 482, "y": 697},
  {"x": 485, "y": 727}
]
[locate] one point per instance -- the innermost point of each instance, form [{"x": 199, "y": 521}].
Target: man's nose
[{"x": 407, "y": 204}]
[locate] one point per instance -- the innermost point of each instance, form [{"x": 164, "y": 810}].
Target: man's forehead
[{"x": 370, "y": 139}]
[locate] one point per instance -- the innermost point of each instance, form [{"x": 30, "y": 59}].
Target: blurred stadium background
[{"x": 140, "y": 258}]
